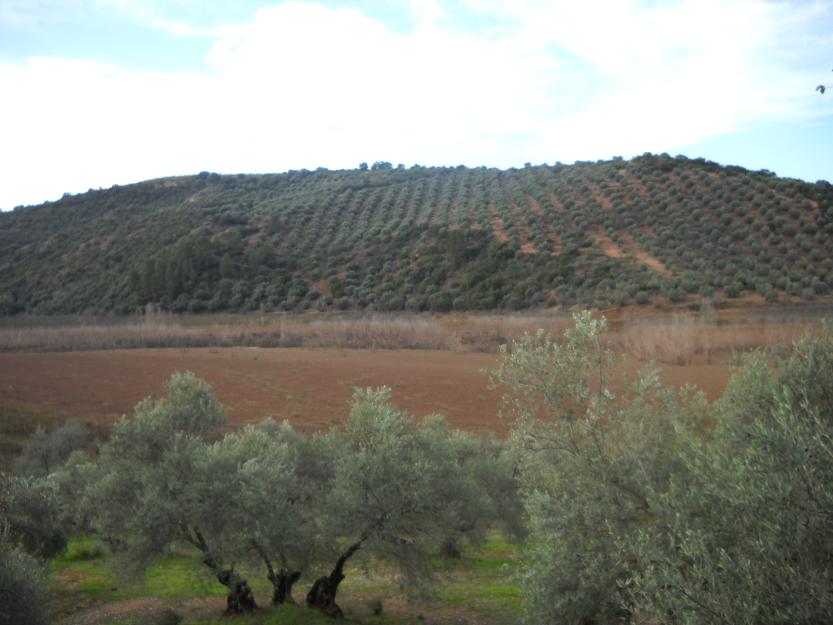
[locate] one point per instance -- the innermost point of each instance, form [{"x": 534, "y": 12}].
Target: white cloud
[{"x": 303, "y": 85}]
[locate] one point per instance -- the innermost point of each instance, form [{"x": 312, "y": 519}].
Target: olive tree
[
  {"x": 30, "y": 535},
  {"x": 30, "y": 516},
  {"x": 23, "y": 593},
  {"x": 480, "y": 490},
  {"x": 747, "y": 540},
  {"x": 280, "y": 478},
  {"x": 46, "y": 452},
  {"x": 385, "y": 496},
  {"x": 590, "y": 467},
  {"x": 157, "y": 485}
]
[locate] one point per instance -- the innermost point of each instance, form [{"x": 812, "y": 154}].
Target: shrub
[
  {"x": 747, "y": 521},
  {"x": 23, "y": 594},
  {"x": 589, "y": 467},
  {"x": 47, "y": 452}
]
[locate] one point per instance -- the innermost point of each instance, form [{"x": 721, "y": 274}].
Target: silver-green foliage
[
  {"x": 30, "y": 534},
  {"x": 380, "y": 486},
  {"x": 23, "y": 594},
  {"x": 274, "y": 478},
  {"x": 46, "y": 452},
  {"x": 651, "y": 508},
  {"x": 387, "y": 496},
  {"x": 750, "y": 520},
  {"x": 155, "y": 483},
  {"x": 30, "y": 516},
  {"x": 479, "y": 491},
  {"x": 591, "y": 464}
]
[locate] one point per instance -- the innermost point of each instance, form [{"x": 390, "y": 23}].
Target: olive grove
[
  {"x": 647, "y": 505},
  {"x": 381, "y": 488}
]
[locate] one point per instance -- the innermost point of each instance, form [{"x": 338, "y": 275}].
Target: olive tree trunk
[
  {"x": 240, "y": 598},
  {"x": 282, "y": 583},
  {"x": 322, "y": 595}
]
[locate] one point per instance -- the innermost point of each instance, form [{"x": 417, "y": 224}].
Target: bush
[
  {"x": 47, "y": 452},
  {"x": 645, "y": 508},
  {"x": 748, "y": 517},
  {"x": 589, "y": 468},
  {"x": 30, "y": 516},
  {"x": 23, "y": 594}
]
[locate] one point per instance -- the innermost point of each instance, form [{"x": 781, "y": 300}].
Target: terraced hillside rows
[{"x": 654, "y": 228}]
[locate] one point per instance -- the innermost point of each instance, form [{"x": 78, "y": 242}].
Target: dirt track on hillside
[{"x": 310, "y": 387}]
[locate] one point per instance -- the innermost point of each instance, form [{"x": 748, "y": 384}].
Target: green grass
[
  {"x": 177, "y": 576},
  {"x": 479, "y": 585},
  {"x": 484, "y": 579}
]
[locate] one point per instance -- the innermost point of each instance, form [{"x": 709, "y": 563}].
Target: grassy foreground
[{"x": 477, "y": 588}]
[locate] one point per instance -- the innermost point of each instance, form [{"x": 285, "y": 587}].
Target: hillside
[{"x": 651, "y": 229}]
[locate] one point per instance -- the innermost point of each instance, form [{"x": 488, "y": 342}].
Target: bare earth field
[{"x": 309, "y": 387}]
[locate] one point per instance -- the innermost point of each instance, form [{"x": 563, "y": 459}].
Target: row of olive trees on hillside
[
  {"x": 268, "y": 495},
  {"x": 655, "y": 506}
]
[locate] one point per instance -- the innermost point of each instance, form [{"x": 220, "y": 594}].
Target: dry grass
[
  {"x": 687, "y": 339},
  {"x": 486, "y": 333},
  {"x": 678, "y": 338},
  {"x": 166, "y": 331}
]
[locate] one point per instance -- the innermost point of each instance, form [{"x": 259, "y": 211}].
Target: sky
[{"x": 101, "y": 92}]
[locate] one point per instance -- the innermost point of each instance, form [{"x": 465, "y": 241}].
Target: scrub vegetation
[
  {"x": 644, "y": 505},
  {"x": 652, "y": 230}
]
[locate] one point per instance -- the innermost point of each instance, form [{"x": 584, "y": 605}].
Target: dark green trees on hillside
[{"x": 384, "y": 238}]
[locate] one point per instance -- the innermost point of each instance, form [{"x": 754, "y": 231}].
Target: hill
[{"x": 651, "y": 229}]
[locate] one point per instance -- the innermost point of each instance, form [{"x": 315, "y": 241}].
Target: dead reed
[
  {"x": 369, "y": 333},
  {"x": 687, "y": 339},
  {"x": 675, "y": 339}
]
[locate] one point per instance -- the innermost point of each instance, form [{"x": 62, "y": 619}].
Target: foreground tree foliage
[
  {"x": 644, "y": 506},
  {"x": 590, "y": 464},
  {"x": 392, "y": 487},
  {"x": 23, "y": 593},
  {"x": 47, "y": 452},
  {"x": 270, "y": 497},
  {"x": 747, "y": 537},
  {"x": 30, "y": 534},
  {"x": 275, "y": 479},
  {"x": 157, "y": 484},
  {"x": 480, "y": 491},
  {"x": 653, "y": 508}
]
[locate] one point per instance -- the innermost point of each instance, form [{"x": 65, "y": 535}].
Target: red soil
[{"x": 309, "y": 387}]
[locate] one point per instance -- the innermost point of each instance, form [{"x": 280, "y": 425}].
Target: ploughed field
[
  {"x": 305, "y": 370},
  {"x": 309, "y": 387}
]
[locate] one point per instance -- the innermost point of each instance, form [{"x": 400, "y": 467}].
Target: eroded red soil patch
[{"x": 610, "y": 248}]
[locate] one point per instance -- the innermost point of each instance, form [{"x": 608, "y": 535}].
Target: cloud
[{"x": 301, "y": 84}]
